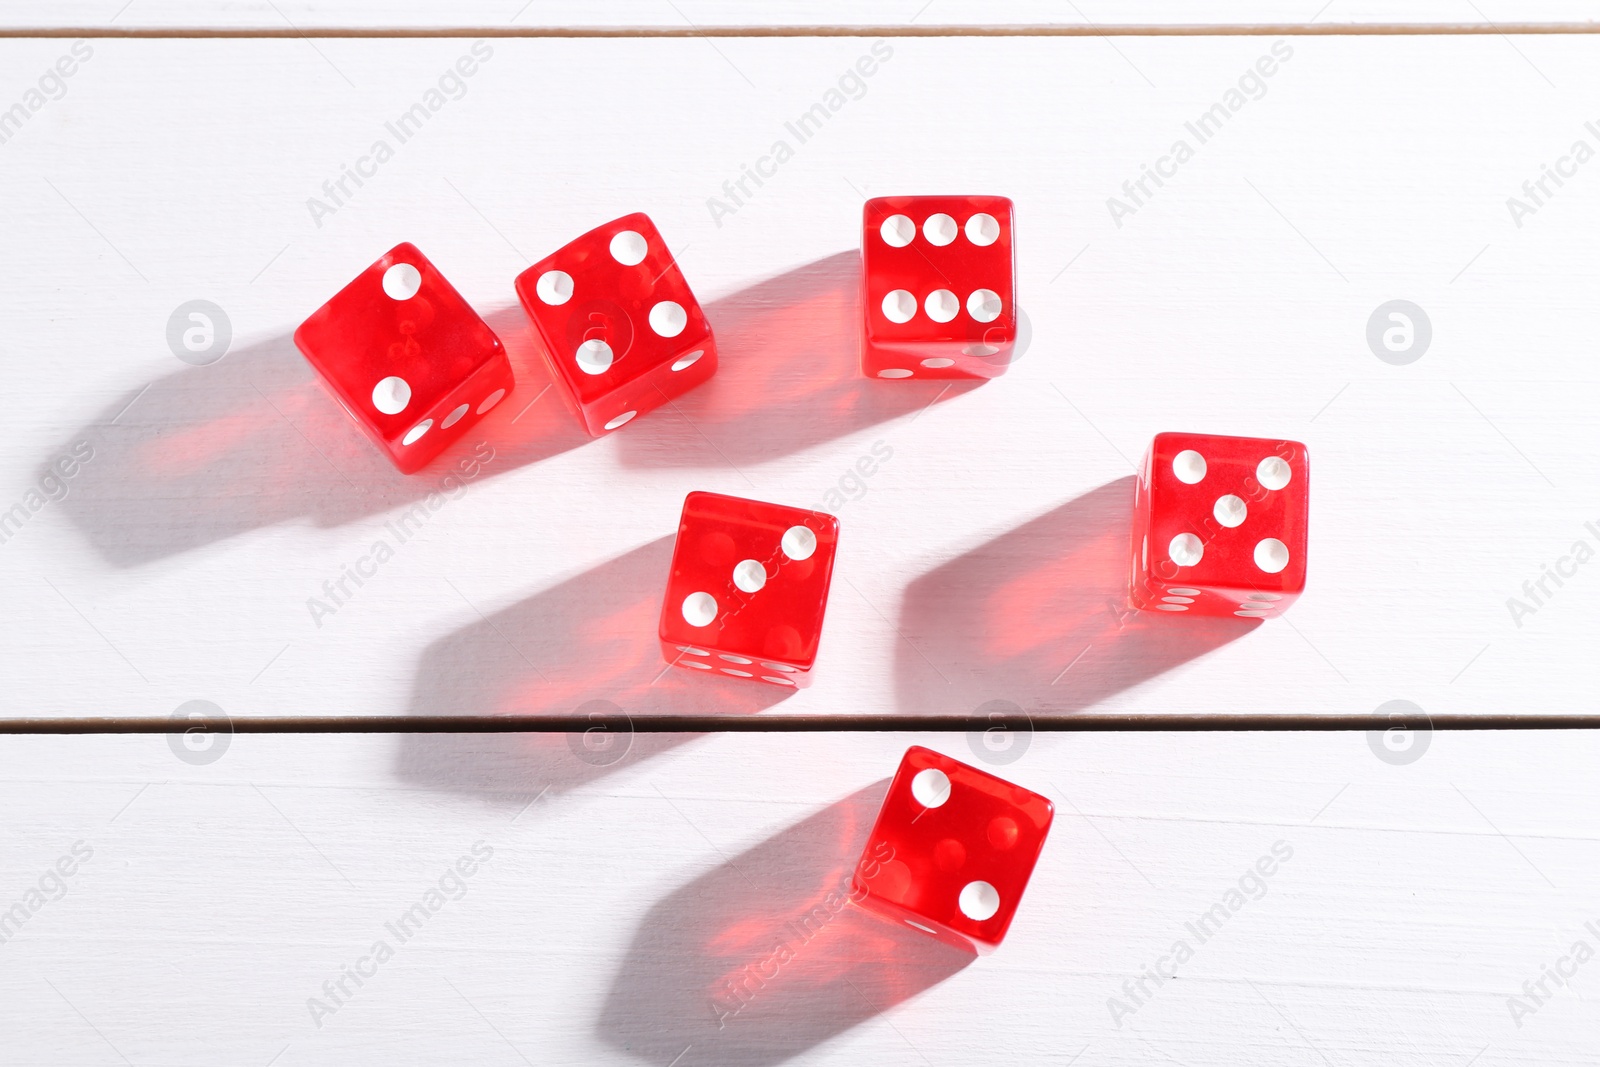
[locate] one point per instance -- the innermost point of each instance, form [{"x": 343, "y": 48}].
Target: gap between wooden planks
[{"x": 1297, "y": 29}]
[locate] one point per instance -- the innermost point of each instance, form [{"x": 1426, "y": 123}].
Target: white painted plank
[
  {"x": 979, "y": 562},
  {"x": 219, "y": 898},
  {"x": 122, "y": 15}
]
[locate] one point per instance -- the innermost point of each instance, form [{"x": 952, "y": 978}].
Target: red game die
[
  {"x": 938, "y": 288},
  {"x": 952, "y": 850},
  {"x": 410, "y": 361},
  {"x": 748, "y": 588},
  {"x": 1219, "y": 525},
  {"x": 622, "y": 333}
]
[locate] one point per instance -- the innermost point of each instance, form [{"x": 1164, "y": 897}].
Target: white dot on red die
[
  {"x": 491, "y": 400},
  {"x": 402, "y": 281},
  {"x": 554, "y": 287},
  {"x": 940, "y": 229},
  {"x": 1189, "y": 466},
  {"x": 629, "y": 248},
  {"x": 1184, "y": 592},
  {"x": 749, "y": 575},
  {"x": 931, "y": 787},
  {"x": 899, "y": 306},
  {"x": 699, "y": 609},
  {"x": 897, "y": 231},
  {"x": 1229, "y": 510},
  {"x": 941, "y": 305},
  {"x": 594, "y": 357},
  {"x": 938, "y": 363},
  {"x": 391, "y": 395},
  {"x": 979, "y": 901},
  {"x": 668, "y": 318},
  {"x": 1186, "y": 550},
  {"x": 1273, "y": 473},
  {"x": 984, "y": 305},
  {"x": 894, "y": 372},
  {"x": 1272, "y": 555},
  {"x": 982, "y": 229},
  {"x": 454, "y": 417},
  {"x": 621, "y": 420},
  {"x": 684, "y": 362},
  {"x": 415, "y": 433},
  {"x": 798, "y": 543}
]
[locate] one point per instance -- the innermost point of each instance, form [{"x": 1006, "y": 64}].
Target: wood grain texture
[
  {"x": 622, "y": 896},
  {"x": 982, "y": 561}
]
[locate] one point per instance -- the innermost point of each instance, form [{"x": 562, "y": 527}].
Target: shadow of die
[
  {"x": 765, "y": 956},
  {"x": 211, "y": 452},
  {"x": 587, "y": 647},
  {"x": 1039, "y": 617},
  {"x": 789, "y": 376}
]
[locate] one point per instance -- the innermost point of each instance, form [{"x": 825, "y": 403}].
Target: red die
[
  {"x": 622, "y": 333},
  {"x": 410, "y": 361},
  {"x": 748, "y": 588},
  {"x": 952, "y": 850},
  {"x": 1219, "y": 525},
  {"x": 938, "y": 289}
]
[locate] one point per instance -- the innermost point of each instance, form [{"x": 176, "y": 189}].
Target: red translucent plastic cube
[
  {"x": 1219, "y": 525},
  {"x": 952, "y": 850},
  {"x": 407, "y": 357},
  {"x": 938, "y": 287},
  {"x": 621, "y": 332},
  {"x": 748, "y": 588}
]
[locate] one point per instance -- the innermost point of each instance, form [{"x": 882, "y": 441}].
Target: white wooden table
[{"x": 980, "y": 566}]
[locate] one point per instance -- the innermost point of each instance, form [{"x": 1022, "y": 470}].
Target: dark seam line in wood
[{"x": 766, "y": 723}]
